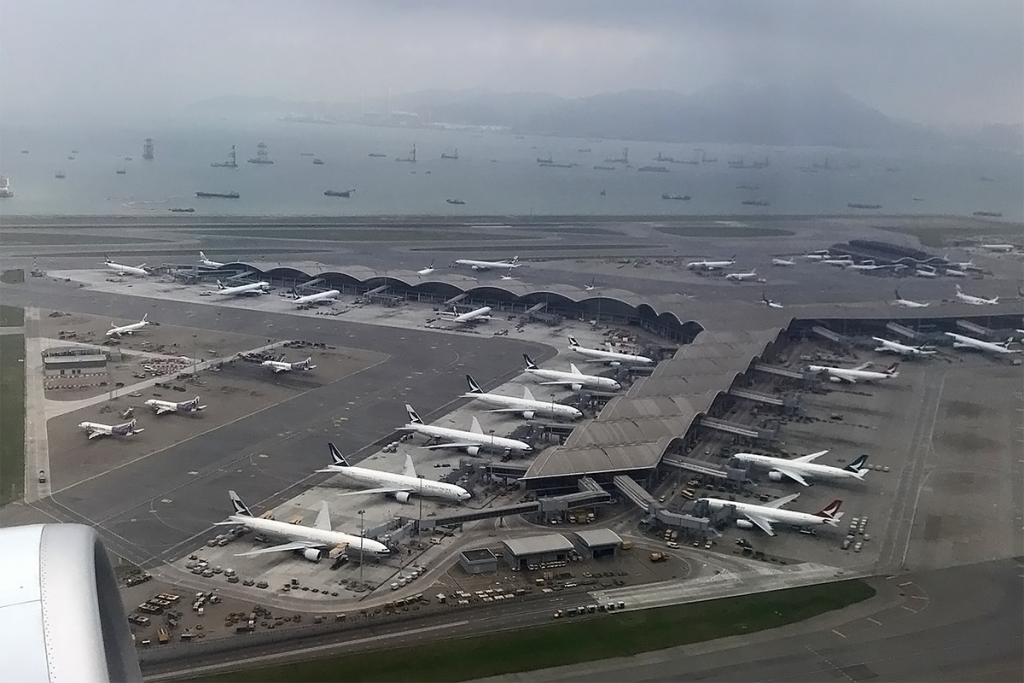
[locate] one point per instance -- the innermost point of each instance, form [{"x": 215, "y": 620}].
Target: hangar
[
  {"x": 532, "y": 552},
  {"x": 599, "y": 543}
]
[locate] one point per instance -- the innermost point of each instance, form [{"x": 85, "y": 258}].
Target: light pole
[
  {"x": 421, "y": 501},
  {"x": 491, "y": 432},
  {"x": 362, "y": 548},
  {"x": 194, "y": 343}
]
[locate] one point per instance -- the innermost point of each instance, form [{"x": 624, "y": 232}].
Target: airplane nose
[{"x": 465, "y": 496}]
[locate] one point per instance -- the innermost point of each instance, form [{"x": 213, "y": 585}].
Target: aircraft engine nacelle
[
  {"x": 744, "y": 524},
  {"x": 775, "y": 476},
  {"x": 528, "y": 414},
  {"x": 312, "y": 554},
  {"x": 577, "y": 387},
  {"x": 403, "y": 496},
  {"x": 473, "y": 450},
  {"x": 614, "y": 363},
  {"x": 835, "y": 380}
]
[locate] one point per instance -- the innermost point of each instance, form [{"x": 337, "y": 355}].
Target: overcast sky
[{"x": 932, "y": 61}]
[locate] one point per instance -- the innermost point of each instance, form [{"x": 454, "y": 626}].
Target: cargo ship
[
  {"x": 455, "y": 201},
  {"x": 756, "y": 202},
  {"x": 230, "y": 163},
  {"x": 5, "y": 187},
  {"x": 677, "y": 197},
  {"x": 864, "y": 206},
  {"x": 339, "y": 193},
  {"x": 653, "y": 169},
  {"x": 261, "y": 157},
  {"x": 218, "y": 195}
]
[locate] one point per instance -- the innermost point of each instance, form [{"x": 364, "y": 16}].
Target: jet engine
[
  {"x": 775, "y": 476},
  {"x": 577, "y": 387},
  {"x": 744, "y": 524},
  {"x": 528, "y": 414},
  {"x": 834, "y": 380},
  {"x": 403, "y": 496},
  {"x": 312, "y": 554},
  {"x": 473, "y": 450}
]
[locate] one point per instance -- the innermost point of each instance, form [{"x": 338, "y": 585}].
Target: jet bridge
[
  {"x": 738, "y": 429},
  {"x": 690, "y": 465},
  {"x": 311, "y": 283},
  {"x": 455, "y": 299},
  {"x": 779, "y": 372},
  {"x": 975, "y": 330},
  {"x": 430, "y": 523},
  {"x": 640, "y": 496},
  {"x": 901, "y": 330},
  {"x": 789, "y": 400},
  {"x": 536, "y": 308},
  {"x": 828, "y": 334}
]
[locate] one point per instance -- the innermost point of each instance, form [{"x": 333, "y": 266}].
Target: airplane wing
[
  {"x": 95, "y": 434},
  {"x": 762, "y": 523},
  {"x": 510, "y": 410},
  {"x": 161, "y": 411},
  {"x": 323, "y": 518},
  {"x": 294, "y": 545},
  {"x": 451, "y": 445},
  {"x": 389, "y": 489},
  {"x": 810, "y": 457},
  {"x": 785, "y": 500},
  {"x": 863, "y": 366},
  {"x": 795, "y": 476},
  {"x": 565, "y": 382}
]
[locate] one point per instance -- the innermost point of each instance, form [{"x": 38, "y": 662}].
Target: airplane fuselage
[
  {"x": 528, "y": 407},
  {"x": 487, "y": 265},
  {"x": 479, "y": 315},
  {"x": 961, "y": 341},
  {"x": 126, "y": 329},
  {"x": 709, "y": 265},
  {"x": 740, "y": 277},
  {"x": 848, "y": 375},
  {"x": 294, "y": 532},
  {"x": 414, "y": 485},
  {"x": 126, "y": 270},
  {"x": 576, "y": 380},
  {"x": 462, "y": 436},
  {"x": 613, "y": 357},
  {"x": 249, "y": 289},
  {"x": 810, "y": 470},
  {"x": 329, "y": 295},
  {"x": 902, "y": 349},
  {"x": 770, "y": 514}
]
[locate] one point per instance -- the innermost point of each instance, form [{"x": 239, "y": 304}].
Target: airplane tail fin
[
  {"x": 958, "y": 290},
  {"x": 574, "y": 370},
  {"x": 474, "y": 388},
  {"x": 240, "y": 507},
  {"x": 529, "y": 362},
  {"x": 893, "y": 370},
  {"x": 413, "y": 417},
  {"x": 202, "y": 256},
  {"x": 144, "y": 317},
  {"x": 858, "y": 465},
  {"x": 831, "y": 512},
  {"x": 220, "y": 285},
  {"x": 336, "y": 456},
  {"x": 475, "y": 427},
  {"x": 515, "y": 260},
  {"x": 573, "y": 344}
]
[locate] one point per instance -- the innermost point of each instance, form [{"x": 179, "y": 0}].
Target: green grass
[
  {"x": 937, "y": 237},
  {"x": 12, "y": 277},
  {"x": 12, "y": 417},
  {"x": 381, "y": 234},
  {"x": 11, "y": 316},
  {"x": 571, "y": 641},
  {"x": 546, "y": 249},
  {"x": 722, "y": 231},
  {"x": 61, "y": 237}
]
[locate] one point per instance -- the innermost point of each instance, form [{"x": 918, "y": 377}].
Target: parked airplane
[
  {"x": 401, "y": 486},
  {"x": 331, "y": 295},
  {"x": 527, "y": 406},
  {"x": 472, "y": 441},
  {"x": 803, "y": 468},
  {"x": 925, "y": 271},
  {"x": 251, "y": 289},
  {"x": 310, "y": 541},
  {"x": 820, "y": 255},
  {"x": 574, "y": 379},
  {"x": 857, "y": 374},
  {"x": 840, "y": 262},
  {"x": 769, "y": 302},
  {"x": 783, "y": 262},
  {"x": 762, "y": 516},
  {"x": 710, "y": 265},
  {"x": 907, "y": 303},
  {"x": 208, "y": 263},
  {"x": 866, "y": 266},
  {"x": 115, "y": 331},
  {"x": 740, "y": 277},
  {"x": 95, "y": 429},
  {"x": 121, "y": 269},
  {"x": 974, "y": 300},
  {"x": 479, "y": 315},
  {"x": 610, "y": 357},
  {"x": 426, "y": 271},
  {"x": 905, "y": 350},
  {"x": 961, "y": 341},
  {"x": 592, "y": 286},
  {"x": 487, "y": 265},
  {"x": 997, "y": 247},
  {"x": 953, "y": 272},
  {"x": 162, "y": 407},
  {"x": 283, "y": 366}
]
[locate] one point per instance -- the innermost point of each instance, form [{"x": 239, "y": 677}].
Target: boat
[
  {"x": 5, "y": 187},
  {"x": 988, "y": 214},
  {"x": 58, "y": 174},
  {"x": 604, "y": 168},
  {"x": 455, "y": 201},
  {"x": 338, "y": 193},
  {"x": 71, "y": 157},
  {"x": 307, "y": 154},
  {"x": 584, "y": 150},
  {"x": 230, "y": 163},
  {"x": 677, "y": 197},
  {"x": 24, "y": 151},
  {"x": 128, "y": 159},
  {"x": 756, "y": 202},
  {"x": 409, "y": 159},
  {"x": 748, "y": 187},
  {"x": 662, "y": 157},
  {"x": 121, "y": 170},
  {"x": 653, "y": 169},
  {"x": 218, "y": 195},
  {"x": 603, "y": 193},
  {"x": 545, "y": 160},
  {"x": 377, "y": 155},
  {"x": 318, "y": 162},
  {"x": 864, "y": 206},
  {"x": 147, "y": 149},
  {"x": 455, "y": 155},
  {"x": 554, "y": 165},
  {"x": 188, "y": 210},
  {"x": 705, "y": 159},
  {"x": 261, "y": 157}
]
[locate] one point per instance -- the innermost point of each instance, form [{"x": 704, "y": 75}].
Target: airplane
[
  {"x": 253, "y": 288},
  {"x": 783, "y": 262},
  {"x": 139, "y": 270},
  {"x": 740, "y": 277},
  {"x": 610, "y": 357},
  {"x": 208, "y": 263},
  {"x": 487, "y": 265},
  {"x": 840, "y": 262},
  {"x": 162, "y": 407},
  {"x": 710, "y": 265},
  {"x": 472, "y": 441},
  {"x": 283, "y": 366},
  {"x": 925, "y": 271},
  {"x": 592, "y": 286},
  {"x": 866, "y": 266},
  {"x": 907, "y": 303},
  {"x": 478, "y": 315},
  {"x": 961, "y": 341},
  {"x": 975, "y": 300},
  {"x": 905, "y": 350},
  {"x": 310, "y": 541},
  {"x": 426, "y": 271},
  {"x": 769, "y": 302},
  {"x": 953, "y": 272},
  {"x": 574, "y": 379},
  {"x": 527, "y": 406},
  {"x": 803, "y": 468},
  {"x": 762, "y": 516},
  {"x": 820, "y": 255},
  {"x": 401, "y": 486},
  {"x": 1002, "y": 248},
  {"x": 330, "y": 295},
  {"x": 859, "y": 373},
  {"x": 95, "y": 429},
  {"x": 127, "y": 329}
]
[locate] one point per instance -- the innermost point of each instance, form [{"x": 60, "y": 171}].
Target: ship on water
[
  {"x": 677, "y": 197},
  {"x": 653, "y": 169},
  {"x": 59, "y": 174},
  {"x": 217, "y": 195},
  {"x": 318, "y": 162},
  {"x": 864, "y": 206},
  {"x": 377, "y": 155},
  {"x": 455, "y": 201},
  {"x": 230, "y": 163},
  {"x": 338, "y": 193},
  {"x": 261, "y": 157},
  {"x": 454, "y": 155},
  {"x": 755, "y": 202},
  {"x": 5, "y": 187},
  {"x": 409, "y": 159},
  {"x": 147, "y": 149},
  {"x": 121, "y": 170}
]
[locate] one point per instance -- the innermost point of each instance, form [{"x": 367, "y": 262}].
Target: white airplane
[
  {"x": 1002, "y": 248},
  {"x": 95, "y": 429},
  {"x": 905, "y": 350},
  {"x": 762, "y": 516},
  {"x": 115, "y": 331},
  {"x": 162, "y": 407},
  {"x": 478, "y": 315},
  {"x": 121, "y": 269},
  {"x": 975, "y": 300},
  {"x": 740, "y": 277},
  {"x": 401, "y": 486},
  {"x": 472, "y": 441},
  {"x": 966, "y": 265},
  {"x": 857, "y": 374},
  {"x": 866, "y": 266},
  {"x": 426, "y": 271},
  {"x": 961, "y": 341},
  {"x": 803, "y": 468},
  {"x": 508, "y": 275},
  {"x": 592, "y": 286},
  {"x": 954, "y": 272},
  {"x": 610, "y": 357},
  {"x": 208, "y": 263},
  {"x": 573, "y": 379},
  {"x": 527, "y": 406},
  {"x": 926, "y": 271},
  {"x": 907, "y": 303},
  {"x": 283, "y": 366},
  {"x": 783, "y": 262},
  {"x": 253, "y": 288},
  {"x": 487, "y": 265},
  {"x": 770, "y": 303},
  {"x": 710, "y": 265},
  {"x": 820, "y": 255},
  {"x": 310, "y": 541},
  {"x": 840, "y": 262},
  {"x": 320, "y": 297}
]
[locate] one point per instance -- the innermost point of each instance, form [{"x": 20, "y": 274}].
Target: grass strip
[
  {"x": 724, "y": 231},
  {"x": 571, "y": 641},
  {"x": 12, "y": 417},
  {"x": 938, "y": 237},
  {"x": 11, "y": 316}
]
